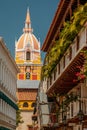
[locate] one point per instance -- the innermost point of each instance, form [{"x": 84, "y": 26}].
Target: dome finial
[
  {"x": 28, "y": 10},
  {"x": 27, "y": 22},
  {"x": 28, "y": 16}
]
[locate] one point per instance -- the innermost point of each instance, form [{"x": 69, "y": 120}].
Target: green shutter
[
  {"x": 3, "y": 128},
  {"x": 8, "y": 100}
]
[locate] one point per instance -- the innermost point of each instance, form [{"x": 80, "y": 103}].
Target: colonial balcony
[
  {"x": 76, "y": 111},
  {"x": 72, "y": 115},
  {"x": 48, "y": 115},
  {"x": 61, "y": 79}
]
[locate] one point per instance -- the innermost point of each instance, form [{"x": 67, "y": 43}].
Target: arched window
[
  {"x": 33, "y": 104},
  {"x": 25, "y": 104},
  {"x": 27, "y": 55}
]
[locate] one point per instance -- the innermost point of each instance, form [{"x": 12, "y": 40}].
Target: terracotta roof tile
[{"x": 25, "y": 94}]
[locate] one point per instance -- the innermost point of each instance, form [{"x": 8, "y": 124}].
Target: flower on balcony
[
  {"x": 63, "y": 105},
  {"x": 81, "y": 74},
  {"x": 53, "y": 117}
]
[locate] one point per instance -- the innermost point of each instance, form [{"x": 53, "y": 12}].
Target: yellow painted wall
[{"x": 30, "y": 108}]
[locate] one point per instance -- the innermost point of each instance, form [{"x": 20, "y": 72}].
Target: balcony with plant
[
  {"x": 66, "y": 37},
  {"x": 63, "y": 106},
  {"x": 70, "y": 106},
  {"x": 82, "y": 69}
]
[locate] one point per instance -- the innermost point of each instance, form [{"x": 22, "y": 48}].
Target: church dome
[{"x": 28, "y": 39}]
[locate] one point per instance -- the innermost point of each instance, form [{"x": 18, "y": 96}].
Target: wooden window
[
  {"x": 63, "y": 61},
  {"x": 25, "y": 104},
  {"x": 33, "y": 104},
  {"x": 55, "y": 71},
  {"x": 71, "y": 109},
  {"x": 47, "y": 84},
  {"x": 59, "y": 68},
  {"x": 50, "y": 80},
  {"x": 34, "y": 77},
  {"x": 70, "y": 53},
  {"x": 77, "y": 45},
  {"x": 27, "y": 55},
  {"x": 21, "y": 76}
]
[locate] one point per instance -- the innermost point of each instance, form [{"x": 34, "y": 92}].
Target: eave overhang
[{"x": 55, "y": 25}]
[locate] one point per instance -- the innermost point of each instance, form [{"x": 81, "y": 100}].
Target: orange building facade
[{"x": 27, "y": 56}]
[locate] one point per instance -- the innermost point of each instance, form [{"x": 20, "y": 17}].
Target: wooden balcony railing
[
  {"x": 74, "y": 110},
  {"x": 79, "y": 43},
  {"x": 49, "y": 117}
]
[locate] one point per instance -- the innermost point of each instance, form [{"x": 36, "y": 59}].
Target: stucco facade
[{"x": 8, "y": 87}]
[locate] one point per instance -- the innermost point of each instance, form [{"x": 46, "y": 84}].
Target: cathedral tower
[{"x": 29, "y": 63}]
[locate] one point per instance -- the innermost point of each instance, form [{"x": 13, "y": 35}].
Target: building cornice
[{"x": 8, "y": 53}]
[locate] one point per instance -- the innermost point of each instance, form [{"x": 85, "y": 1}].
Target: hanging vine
[
  {"x": 64, "y": 105},
  {"x": 67, "y": 35}
]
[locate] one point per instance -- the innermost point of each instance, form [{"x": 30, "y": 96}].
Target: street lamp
[
  {"x": 64, "y": 122},
  {"x": 80, "y": 116},
  {"x": 80, "y": 113}
]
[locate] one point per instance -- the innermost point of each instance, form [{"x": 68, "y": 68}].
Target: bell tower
[{"x": 29, "y": 63}]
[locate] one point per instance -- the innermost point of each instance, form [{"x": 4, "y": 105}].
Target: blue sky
[{"x": 13, "y": 14}]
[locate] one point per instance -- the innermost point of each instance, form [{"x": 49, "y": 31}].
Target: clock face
[{"x": 27, "y": 75}]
